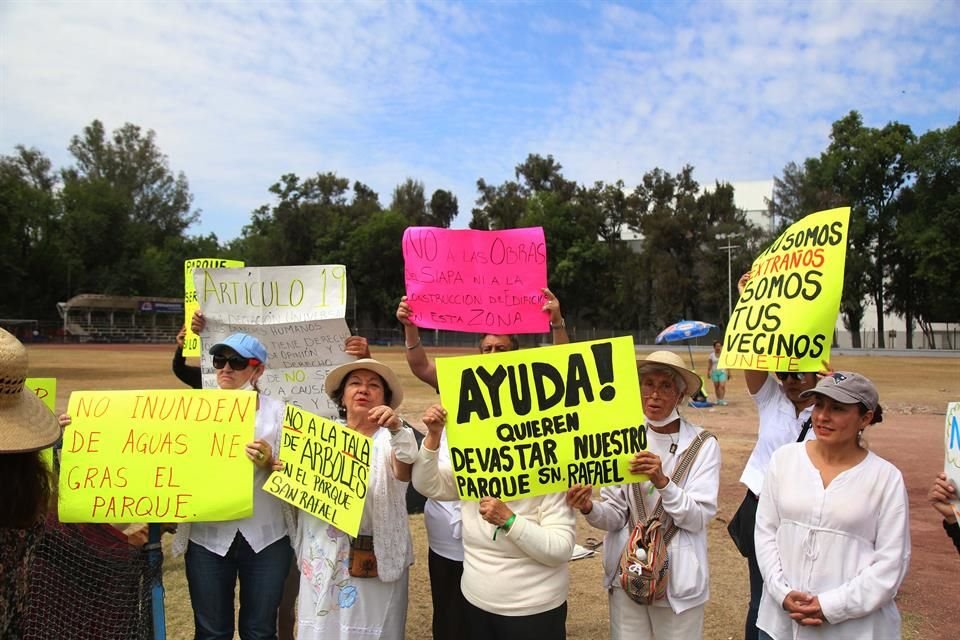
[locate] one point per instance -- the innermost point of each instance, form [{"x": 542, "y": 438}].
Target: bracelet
[
  {"x": 411, "y": 347},
  {"x": 559, "y": 325},
  {"x": 505, "y": 526}
]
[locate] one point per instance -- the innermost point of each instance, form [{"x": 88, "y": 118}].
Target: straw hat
[
  {"x": 675, "y": 362},
  {"x": 26, "y": 424},
  {"x": 335, "y": 377}
]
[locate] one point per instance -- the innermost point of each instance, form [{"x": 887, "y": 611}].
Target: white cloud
[{"x": 241, "y": 93}]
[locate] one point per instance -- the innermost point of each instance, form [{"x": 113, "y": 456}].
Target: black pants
[
  {"x": 449, "y": 606},
  {"x": 749, "y": 522},
  {"x": 549, "y": 625}
]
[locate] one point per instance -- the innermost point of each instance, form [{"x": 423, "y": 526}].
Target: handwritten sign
[
  {"x": 786, "y": 313},
  {"x": 476, "y": 281},
  {"x": 191, "y": 342},
  {"x": 296, "y": 312},
  {"x": 46, "y": 390},
  {"x": 951, "y": 446},
  {"x": 326, "y": 468},
  {"x": 157, "y": 456},
  {"x": 537, "y": 421}
]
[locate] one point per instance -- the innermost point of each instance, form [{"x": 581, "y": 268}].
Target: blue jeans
[{"x": 212, "y": 578}]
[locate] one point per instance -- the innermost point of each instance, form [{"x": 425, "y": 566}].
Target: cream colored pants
[{"x": 632, "y": 621}]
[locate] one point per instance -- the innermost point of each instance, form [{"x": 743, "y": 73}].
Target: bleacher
[{"x": 122, "y": 319}]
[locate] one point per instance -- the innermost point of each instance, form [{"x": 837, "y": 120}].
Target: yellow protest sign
[
  {"x": 326, "y": 468},
  {"x": 536, "y": 421},
  {"x": 46, "y": 390},
  {"x": 191, "y": 343},
  {"x": 786, "y": 314},
  {"x": 157, "y": 456}
]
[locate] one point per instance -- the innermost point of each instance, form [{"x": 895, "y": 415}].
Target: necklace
[{"x": 669, "y": 434}]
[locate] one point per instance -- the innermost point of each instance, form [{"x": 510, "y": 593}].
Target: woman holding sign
[
  {"x": 256, "y": 550},
  {"x": 515, "y": 576},
  {"x": 833, "y": 529},
  {"x": 357, "y": 588},
  {"x": 443, "y": 517},
  {"x": 689, "y": 503},
  {"x": 783, "y": 413}
]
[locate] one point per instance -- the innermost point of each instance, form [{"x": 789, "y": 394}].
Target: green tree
[
  {"x": 924, "y": 271},
  {"x": 307, "y": 224},
  {"x": 410, "y": 202},
  {"x": 443, "y": 208},
  {"x": 35, "y": 274},
  {"x": 124, "y": 212},
  {"x": 374, "y": 260},
  {"x": 869, "y": 166},
  {"x": 573, "y": 221}
]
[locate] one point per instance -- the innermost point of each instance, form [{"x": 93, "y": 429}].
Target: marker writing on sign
[{"x": 571, "y": 387}]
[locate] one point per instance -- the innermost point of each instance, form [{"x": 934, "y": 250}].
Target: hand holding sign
[
  {"x": 649, "y": 464},
  {"x": 941, "y": 495},
  {"x": 580, "y": 497},
  {"x": 435, "y": 418}
]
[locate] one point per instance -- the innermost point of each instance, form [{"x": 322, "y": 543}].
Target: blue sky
[{"x": 240, "y": 93}]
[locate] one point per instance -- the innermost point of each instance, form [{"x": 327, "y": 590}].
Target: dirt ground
[{"x": 914, "y": 392}]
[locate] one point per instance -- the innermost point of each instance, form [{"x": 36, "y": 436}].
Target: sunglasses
[
  {"x": 796, "y": 375},
  {"x": 237, "y": 363}
]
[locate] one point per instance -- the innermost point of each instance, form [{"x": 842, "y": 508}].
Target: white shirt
[
  {"x": 524, "y": 571},
  {"x": 779, "y": 424},
  {"x": 443, "y": 518},
  {"x": 848, "y": 544},
  {"x": 266, "y": 525},
  {"x": 691, "y": 506}
]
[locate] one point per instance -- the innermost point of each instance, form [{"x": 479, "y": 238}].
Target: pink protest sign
[{"x": 476, "y": 281}]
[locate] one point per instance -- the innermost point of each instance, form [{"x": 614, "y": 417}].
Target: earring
[{"x": 860, "y": 438}]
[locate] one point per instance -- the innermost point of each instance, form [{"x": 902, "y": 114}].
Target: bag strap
[
  {"x": 679, "y": 473},
  {"x": 806, "y": 427}
]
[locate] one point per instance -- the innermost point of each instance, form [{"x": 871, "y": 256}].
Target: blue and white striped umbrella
[{"x": 684, "y": 330}]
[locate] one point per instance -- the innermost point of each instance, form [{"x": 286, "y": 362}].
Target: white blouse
[
  {"x": 691, "y": 507},
  {"x": 848, "y": 544},
  {"x": 443, "y": 518},
  {"x": 779, "y": 424}
]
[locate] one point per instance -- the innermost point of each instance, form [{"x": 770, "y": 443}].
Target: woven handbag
[{"x": 645, "y": 562}]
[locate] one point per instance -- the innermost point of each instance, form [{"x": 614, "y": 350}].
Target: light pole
[{"x": 729, "y": 249}]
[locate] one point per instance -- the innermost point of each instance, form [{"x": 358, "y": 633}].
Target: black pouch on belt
[{"x": 742, "y": 525}]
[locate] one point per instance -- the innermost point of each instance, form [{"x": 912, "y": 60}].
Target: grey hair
[{"x": 662, "y": 368}]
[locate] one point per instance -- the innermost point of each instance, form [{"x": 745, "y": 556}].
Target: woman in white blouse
[
  {"x": 255, "y": 550},
  {"x": 833, "y": 534},
  {"x": 664, "y": 382},
  {"x": 356, "y": 588}
]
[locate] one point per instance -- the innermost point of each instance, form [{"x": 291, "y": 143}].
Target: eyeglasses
[
  {"x": 494, "y": 348},
  {"x": 237, "y": 363},
  {"x": 796, "y": 375}
]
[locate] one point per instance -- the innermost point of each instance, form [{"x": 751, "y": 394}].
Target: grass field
[{"x": 914, "y": 392}]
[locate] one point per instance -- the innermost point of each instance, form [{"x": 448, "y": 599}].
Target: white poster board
[{"x": 298, "y": 315}]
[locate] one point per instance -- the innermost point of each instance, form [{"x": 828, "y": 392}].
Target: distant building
[{"x": 751, "y": 196}]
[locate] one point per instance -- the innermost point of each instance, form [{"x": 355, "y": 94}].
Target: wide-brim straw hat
[
  {"x": 26, "y": 424},
  {"x": 335, "y": 377},
  {"x": 674, "y": 362}
]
